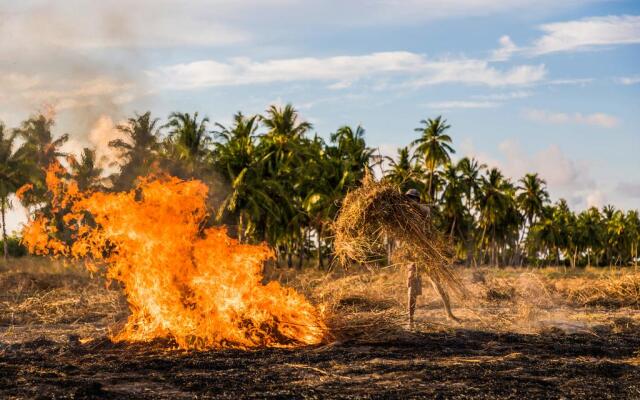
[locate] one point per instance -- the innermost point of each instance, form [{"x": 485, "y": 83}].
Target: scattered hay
[
  {"x": 40, "y": 297},
  {"x": 501, "y": 293},
  {"x": 376, "y": 213},
  {"x": 360, "y": 303},
  {"x": 610, "y": 291}
]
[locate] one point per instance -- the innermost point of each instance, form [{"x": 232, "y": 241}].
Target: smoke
[
  {"x": 66, "y": 56},
  {"x": 103, "y": 131}
]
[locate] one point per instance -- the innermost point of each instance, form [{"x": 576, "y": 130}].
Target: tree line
[{"x": 275, "y": 181}]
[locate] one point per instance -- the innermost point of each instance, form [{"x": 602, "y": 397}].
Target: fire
[{"x": 197, "y": 286}]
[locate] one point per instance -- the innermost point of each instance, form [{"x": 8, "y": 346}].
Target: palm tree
[
  {"x": 433, "y": 146},
  {"x": 327, "y": 179},
  {"x": 353, "y": 151},
  {"x": 632, "y": 220},
  {"x": 589, "y": 224},
  {"x": 609, "y": 231},
  {"x": 499, "y": 216},
  {"x": 36, "y": 131},
  {"x": 532, "y": 196},
  {"x": 470, "y": 180},
  {"x": 44, "y": 150},
  {"x": 189, "y": 138},
  {"x": 284, "y": 122},
  {"x": 13, "y": 164},
  {"x": 235, "y": 157},
  {"x": 85, "y": 172},
  {"x": 615, "y": 236},
  {"x": 470, "y": 170},
  {"x": 235, "y": 147},
  {"x": 547, "y": 233},
  {"x": 403, "y": 171},
  {"x": 284, "y": 151},
  {"x": 138, "y": 150},
  {"x": 282, "y": 141},
  {"x": 566, "y": 224},
  {"x": 452, "y": 207}
]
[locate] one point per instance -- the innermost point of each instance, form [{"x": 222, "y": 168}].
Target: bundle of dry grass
[{"x": 377, "y": 212}]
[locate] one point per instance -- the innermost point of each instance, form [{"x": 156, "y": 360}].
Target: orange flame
[
  {"x": 201, "y": 288},
  {"x": 22, "y": 190}
]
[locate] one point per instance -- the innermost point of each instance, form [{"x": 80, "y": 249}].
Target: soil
[{"x": 457, "y": 365}]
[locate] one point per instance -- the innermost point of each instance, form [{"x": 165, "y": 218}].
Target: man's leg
[
  {"x": 411, "y": 306},
  {"x": 445, "y": 298}
]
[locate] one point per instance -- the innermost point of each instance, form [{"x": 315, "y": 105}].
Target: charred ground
[
  {"x": 460, "y": 364},
  {"x": 55, "y": 323}
]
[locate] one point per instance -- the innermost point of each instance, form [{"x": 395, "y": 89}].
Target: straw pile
[{"x": 377, "y": 213}]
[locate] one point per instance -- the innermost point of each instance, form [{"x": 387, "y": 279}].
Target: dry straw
[{"x": 376, "y": 213}]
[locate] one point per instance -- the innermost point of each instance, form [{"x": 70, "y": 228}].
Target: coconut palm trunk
[
  {"x": 319, "y": 248},
  {"x": 3, "y": 210}
]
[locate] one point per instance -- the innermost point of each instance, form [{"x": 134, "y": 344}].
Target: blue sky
[{"x": 527, "y": 85}]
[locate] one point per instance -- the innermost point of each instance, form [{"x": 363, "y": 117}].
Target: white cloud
[
  {"x": 518, "y": 94},
  {"x": 506, "y": 49},
  {"x": 628, "y": 80},
  {"x": 478, "y": 72},
  {"x": 419, "y": 69},
  {"x": 467, "y": 148},
  {"x": 573, "y": 81},
  {"x": 551, "y": 163},
  {"x": 340, "y": 85},
  {"x": 565, "y": 177},
  {"x": 587, "y": 33},
  {"x": 162, "y": 23},
  {"x": 595, "y": 119},
  {"x": 448, "y": 105}
]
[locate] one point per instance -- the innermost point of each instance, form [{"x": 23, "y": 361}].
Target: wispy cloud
[
  {"x": 572, "y": 81},
  {"x": 415, "y": 69},
  {"x": 518, "y": 94},
  {"x": 162, "y": 23},
  {"x": 587, "y": 33},
  {"x": 595, "y": 119},
  {"x": 628, "y": 80},
  {"x": 576, "y": 35},
  {"x": 506, "y": 49},
  {"x": 448, "y": 105}
]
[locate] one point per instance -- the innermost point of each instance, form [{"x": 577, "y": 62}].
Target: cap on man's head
[{"x": 413, "y": 193}]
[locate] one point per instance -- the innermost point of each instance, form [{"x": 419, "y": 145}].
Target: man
[
  {"x": 414, "y": 283},
  {"x": 414, "y": 286}
]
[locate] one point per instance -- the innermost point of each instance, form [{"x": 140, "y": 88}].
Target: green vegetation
[{"x": 284, "y": 185}]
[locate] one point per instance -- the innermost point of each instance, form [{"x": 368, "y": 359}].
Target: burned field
[
  {"x": 513, "y": 342},
  {"x": 460, "y": 364}
]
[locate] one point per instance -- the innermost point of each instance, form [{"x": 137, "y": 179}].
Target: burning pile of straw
[{"x": 377, "y": 213}]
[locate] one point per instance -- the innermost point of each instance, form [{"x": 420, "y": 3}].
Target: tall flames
[{"x": 197, "y": 286}]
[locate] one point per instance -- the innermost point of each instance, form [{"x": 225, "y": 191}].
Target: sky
[{"x": 527, "y": 85}]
